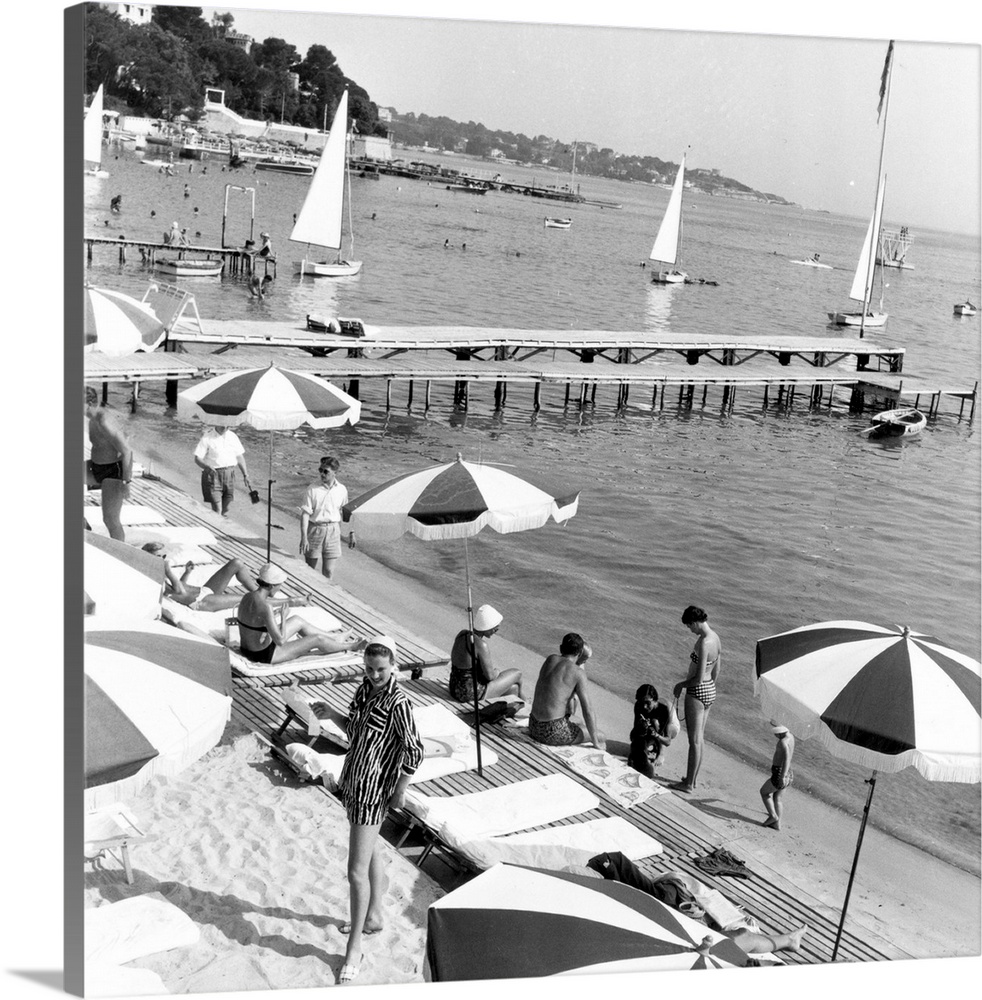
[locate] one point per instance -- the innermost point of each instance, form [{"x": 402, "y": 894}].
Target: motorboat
[
  {"x": 966, "y": 309},
  {"x": 190, "y": 267},
  {"x": 896, "y": 423},
  {"x": 286, "y": 167},
  {"x": 812, "y": 262},
  {"x": 552, "y": 223}
]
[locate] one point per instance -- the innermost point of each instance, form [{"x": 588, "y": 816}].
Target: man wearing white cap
[
  {"x": 781, "y": 775},
  {"x": 465, "y": 667}
]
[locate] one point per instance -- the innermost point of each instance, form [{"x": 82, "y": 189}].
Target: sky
[{"x": 792, "y": 116}]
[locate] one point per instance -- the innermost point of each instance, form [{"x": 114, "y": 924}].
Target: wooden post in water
[
  {"x": 535, "y": 395},
  {"x": 409, "y": 401},
  {"x": 426, "y": 397},
  {"x": 134, "y": 397}
]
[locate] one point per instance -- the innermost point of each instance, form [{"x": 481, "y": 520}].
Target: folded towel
[
  {"x": 498, "y": 811},
  {"x": 568, "y": 844},
  {"x": 116, "y": 933}
]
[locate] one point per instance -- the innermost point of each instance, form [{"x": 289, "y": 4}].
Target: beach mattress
[
  {"x": 212, "y": 623},
  {"x": 498, "y": 811},
  {"x": 116, "y": 933},
  {"x": 334, "y": 661},
  {"x": 557, "y": 846},
  {"x": 131, "y": 515}
]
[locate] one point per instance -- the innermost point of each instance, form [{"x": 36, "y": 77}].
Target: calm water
[{"x": 768, "y": 519}]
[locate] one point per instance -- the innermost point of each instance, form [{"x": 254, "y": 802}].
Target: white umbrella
[
  {"x": 116, "y": 324},
  {"x": 270, "y": 399}
]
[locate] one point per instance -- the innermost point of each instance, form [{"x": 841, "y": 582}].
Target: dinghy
[{"x": 896, "y": 423}]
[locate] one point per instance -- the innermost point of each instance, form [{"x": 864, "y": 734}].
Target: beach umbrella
[
  {"x": 116, "y": 324},
  {"x": 883, "y": 697},
  {"x": 458, "y": 500},
  {"x": 269, "y": 399},
  {"x": 512, "y": 922},
  {"x": 156, "y": 699},
  {"x": 121, "y": 579}
]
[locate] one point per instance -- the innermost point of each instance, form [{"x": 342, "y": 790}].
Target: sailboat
[
  {"x": 862, "y": 284},
  {"x": 667, "y": 248},
  {"x": 320, "y": 220},
  {"x": 92, "y": 138}
]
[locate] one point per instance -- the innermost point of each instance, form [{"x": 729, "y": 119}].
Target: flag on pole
[{"x": 884, "y": 80}]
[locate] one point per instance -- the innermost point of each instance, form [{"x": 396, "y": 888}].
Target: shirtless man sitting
[{"x": 562, "y": 683}]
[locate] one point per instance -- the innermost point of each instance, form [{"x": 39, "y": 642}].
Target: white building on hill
[{"x": 135, "y": 13}]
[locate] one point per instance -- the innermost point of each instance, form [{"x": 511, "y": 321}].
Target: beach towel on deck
[
  {"x": 116, "y": 933},
  {"x": 130, "y": 516},
  {"x": 557, "y": 846},
  {"x": 623, "y": 784},
  {"x": 167, "y": 533},
  {"x": 332, "y": 661},
  {"x": 477, "y": 815}
]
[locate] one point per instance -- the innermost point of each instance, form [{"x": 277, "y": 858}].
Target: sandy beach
[{"x": 924, "y": 906}]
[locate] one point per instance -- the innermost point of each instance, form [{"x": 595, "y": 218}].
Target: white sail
[
  {"x": 666, "y": 246},
  {"x": 319, "y": 221},
  {"x": 862, "y": 282},
  {"x": 92, "y": 130}
]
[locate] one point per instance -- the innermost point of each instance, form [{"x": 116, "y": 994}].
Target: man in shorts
[
  {"x": 110, "y": 464},
  {"x": 218, "y": 454},
  {"x": 561, "y": 684},
  {"x": 320, "y": 519}
]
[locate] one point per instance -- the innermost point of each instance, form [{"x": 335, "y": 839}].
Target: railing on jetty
[{"x": 237, "y": 260}]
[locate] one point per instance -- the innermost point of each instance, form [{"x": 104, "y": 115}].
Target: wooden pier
[{"x": 236, "y": 260}]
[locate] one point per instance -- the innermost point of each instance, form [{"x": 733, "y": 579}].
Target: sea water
[{"x": 769, "y": 518}]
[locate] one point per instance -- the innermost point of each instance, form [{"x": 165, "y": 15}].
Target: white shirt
[
  {"x": 324, "y": 503},
  {"x": 219, "y": 449}
]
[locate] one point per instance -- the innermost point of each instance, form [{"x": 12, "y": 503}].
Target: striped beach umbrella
[
  {"x": 121, "y": 579},
  {"x": 512, "y": 922},
  {"x": 156, "y": 699},
  {"x": 116, "y": 324},
  {"x": 457, "y": 500},
  {"x": 883, "y": 697},
  {"x": 269, "y": 399}
]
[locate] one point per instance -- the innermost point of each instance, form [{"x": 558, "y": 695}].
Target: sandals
[{"x": 345, "y": 928}]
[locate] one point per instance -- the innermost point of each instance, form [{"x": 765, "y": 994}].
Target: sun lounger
[
  {"x": 170, "y": 534},
  {"x": 212, "y": 623},
  {"x": 131, "y": 515},
  {"x": 623, "y": 784},
  {"x": 331, "y": 662},
  {"x": 112, "y": 828},
  {"x": 133, "y": 928}
]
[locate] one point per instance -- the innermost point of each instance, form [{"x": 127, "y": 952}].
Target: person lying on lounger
[
  {"x": 211, "y": 596},
  {"x": 263, "y": 640}
]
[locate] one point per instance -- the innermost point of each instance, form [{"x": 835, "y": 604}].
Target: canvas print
[{"x": 531, "y": 500}]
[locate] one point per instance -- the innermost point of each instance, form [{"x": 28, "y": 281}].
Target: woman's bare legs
[
  {"x": 507, "y": 682},
  {"x": 311, "y": 640},
  {"x": 761, "y": 944},
  {"x": 217, "y": 582},
  {"x": 364, "y": 883},
  {"x": 695, "y": 725}
]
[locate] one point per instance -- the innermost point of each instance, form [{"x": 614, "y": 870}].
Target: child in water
[
  {"x": 781, "y": 775},
  {"x": 649, "y": 733}
]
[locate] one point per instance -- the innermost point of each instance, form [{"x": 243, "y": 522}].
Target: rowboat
[
  {"x": 558, "y": 223},
  {"x": 190, "y": 267},
  {"x": 896, "y": 423},
  {"x": 966, "y": 309}
]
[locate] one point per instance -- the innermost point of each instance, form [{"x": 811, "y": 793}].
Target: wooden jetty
[
  {"x": 775, "y": 899},
  {"x": 237, "y": 260}
]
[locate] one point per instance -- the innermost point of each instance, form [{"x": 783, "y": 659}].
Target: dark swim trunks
[
  {"x": 780, "y": 778},
  {"x": 100, "y": 472},
  {"x": 555, "y": 732}
]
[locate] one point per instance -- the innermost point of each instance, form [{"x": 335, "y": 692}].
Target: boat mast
[
  {"x": 874, "y": 243},
  {"x": 347, "y": 170}
]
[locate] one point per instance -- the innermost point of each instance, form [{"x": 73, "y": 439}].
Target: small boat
[
  {"x": 966, "y": 309},
  {"x": 894, "y": 247},
  {"x": 286, "y": 167},
  {"x": 92, "y": 138},
  {"x": 896, "y": 423},
  {"x": 467, "y": 188},
  {"x": 321, "y": 217},
  {"x": 190, "y": 267},
  {"x": 552, "y": 223},
  {"x": 812, "y": 262},
  {"x": 667, "y": 248}
]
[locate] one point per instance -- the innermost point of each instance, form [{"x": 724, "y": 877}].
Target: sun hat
[
  {"x": 486, "y": 618},
  {"x": 272, "y": 574},
  {"x": 383, "y": 640}
]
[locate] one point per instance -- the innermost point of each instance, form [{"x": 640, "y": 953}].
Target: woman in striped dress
[{"x": 384, "y": 751}]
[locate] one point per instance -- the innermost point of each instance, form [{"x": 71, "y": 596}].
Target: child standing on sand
[{"x": 781, "y": 775}]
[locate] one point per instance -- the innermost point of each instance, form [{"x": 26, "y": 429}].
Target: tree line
[{"x": 161, "y": 70}]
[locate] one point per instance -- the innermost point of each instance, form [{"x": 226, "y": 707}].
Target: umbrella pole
[
  {"x": 269, "y": 500},
  {"x": 871, "y": 781},
  {"x": 473, "y": 654}
]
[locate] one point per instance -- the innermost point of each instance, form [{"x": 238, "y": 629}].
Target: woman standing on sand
[
  {"x": 699, "y": 687},
  {"x": 385, "y": 750}
]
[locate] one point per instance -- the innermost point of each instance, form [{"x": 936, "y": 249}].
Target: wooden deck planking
[{"x": 767, "y": 896}]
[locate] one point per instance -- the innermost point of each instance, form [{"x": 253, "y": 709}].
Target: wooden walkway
[{"x": 773, "y": 899}]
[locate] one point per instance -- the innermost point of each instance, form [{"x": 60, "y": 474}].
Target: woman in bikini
[
  {"x": 261, "y": 638},
  {"x": 699, "y": 687}
]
